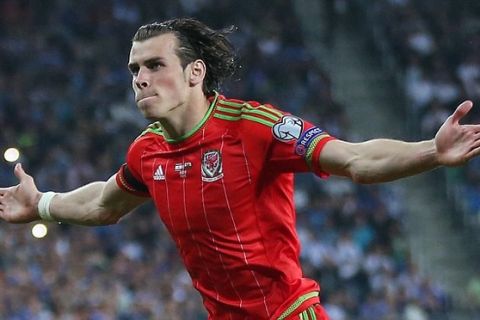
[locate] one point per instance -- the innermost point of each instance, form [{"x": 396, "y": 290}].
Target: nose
[{"x": 141, "y": 80}]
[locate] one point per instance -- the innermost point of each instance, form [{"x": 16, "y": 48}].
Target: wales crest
[{"x": 212, "y": 166}]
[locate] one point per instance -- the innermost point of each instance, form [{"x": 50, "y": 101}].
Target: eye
[
  {"x": 155, "y": 65},
  {"x": 133, "y": 70}
]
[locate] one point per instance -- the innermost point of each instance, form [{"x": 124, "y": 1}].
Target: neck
[{"x": 185, "y": 117}]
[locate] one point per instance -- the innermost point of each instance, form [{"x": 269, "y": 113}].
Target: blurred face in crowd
[{"x": 160, "y": 83}]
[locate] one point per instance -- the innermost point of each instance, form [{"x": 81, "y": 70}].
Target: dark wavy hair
[{"x": 198, "y": 41}]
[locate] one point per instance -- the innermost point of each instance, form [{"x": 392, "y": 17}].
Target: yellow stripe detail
[
  {"x": 250, "y": 111},
  {"x": 267, "y": 109},
  {"x": 229, "y": 110},
  {"x": 231, "y": 103},
  {"x": 263, "y": 113},
  {"x": 297, "y": 304},
  {"x": 311, "y": 148},
  {"x": 246, "y": 105},
  {"x": 244, "y": 116},
  {"x": 305, "y": 315},
  {"x": 313, "y": 316}
]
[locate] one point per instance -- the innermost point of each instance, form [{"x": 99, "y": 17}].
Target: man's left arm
[{"x": 382, "y": 160}]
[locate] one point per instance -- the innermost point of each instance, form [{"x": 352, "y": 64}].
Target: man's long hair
[{"x": 198, "y": 41}]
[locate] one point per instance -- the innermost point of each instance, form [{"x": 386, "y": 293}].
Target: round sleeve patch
[
  {"x": 288, "y": 129},
  {"x": 303, "y": 143}
]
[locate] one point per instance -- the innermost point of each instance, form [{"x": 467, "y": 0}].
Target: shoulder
[
  {"x": 251, "y": 114},
  {"x": 152, "y": 133}
]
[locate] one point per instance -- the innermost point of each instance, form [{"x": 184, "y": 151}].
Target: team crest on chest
[{"x": 212, "y": 166}]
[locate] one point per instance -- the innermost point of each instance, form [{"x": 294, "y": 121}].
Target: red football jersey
[{"x": 225, "y": 193}]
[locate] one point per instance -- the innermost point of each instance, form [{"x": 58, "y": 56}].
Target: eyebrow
[{"x": 146, "y": 62}]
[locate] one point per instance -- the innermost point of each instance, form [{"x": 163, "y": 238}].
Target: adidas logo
[{"x": 159, "y": 175}]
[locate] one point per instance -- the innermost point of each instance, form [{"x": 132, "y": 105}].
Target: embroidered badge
[
  {"x": 289, "y": 128},
  {"x": 212, "y": 166},
  {"x": 306, "y": 139},
  {"x": 182, "y": 167}
]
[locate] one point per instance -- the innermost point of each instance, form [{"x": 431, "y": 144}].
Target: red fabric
[{"x": 225, "y": 194}]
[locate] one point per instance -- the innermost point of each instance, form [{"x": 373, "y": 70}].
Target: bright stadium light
[
  {"x": 11, "y": 154},
  {"x": 39, "y": 230}
]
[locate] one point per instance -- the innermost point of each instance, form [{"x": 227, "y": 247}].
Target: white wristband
[{"x": 44, "y": 206}]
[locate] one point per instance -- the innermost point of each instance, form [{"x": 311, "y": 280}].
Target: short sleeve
[
  {"x": 129, "y": 177},
  {"x": 296, "y": 145},
  {"x": 126, "y": 181}
]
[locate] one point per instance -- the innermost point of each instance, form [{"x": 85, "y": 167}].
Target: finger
[
  {"x": 473, "y": 127},
  {"x": 476, "y": 137},
  {"x": 475, "y": 144},
  {"x": 473, "y": 153},
  {"x": 3, "y": 191},
  {"x": 461, "y": 111},
  {"x": 19, "y": 172}
]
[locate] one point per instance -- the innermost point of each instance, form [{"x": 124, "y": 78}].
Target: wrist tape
[{"x": 44, "y": 206}]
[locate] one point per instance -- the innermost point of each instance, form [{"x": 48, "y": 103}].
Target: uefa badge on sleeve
[
  {"x": 306, "y": 139},
  {"x": 289, "y": 128}
]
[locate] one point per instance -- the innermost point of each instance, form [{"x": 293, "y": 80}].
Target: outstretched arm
[
  {"x": 382, "y": 160},
  {"x": 97, "y": 203}
]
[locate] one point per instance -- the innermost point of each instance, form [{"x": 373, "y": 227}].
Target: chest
[{"x": 202, "y": 184}]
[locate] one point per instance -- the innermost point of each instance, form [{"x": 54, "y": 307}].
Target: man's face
[{"x": 159, "y": 81}]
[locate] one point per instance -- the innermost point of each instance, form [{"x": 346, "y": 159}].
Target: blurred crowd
[
  {"x": 435, "y": 45},
  {"x": 66, "y": 103}
]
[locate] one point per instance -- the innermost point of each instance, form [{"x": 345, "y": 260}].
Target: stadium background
[{"x": 67, "y": 105}]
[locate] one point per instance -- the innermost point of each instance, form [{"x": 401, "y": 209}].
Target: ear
[{"x": 198, "y": 70}]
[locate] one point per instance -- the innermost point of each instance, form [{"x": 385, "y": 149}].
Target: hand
[
  {"x": 18, "y": 204},
  {"x": 456, "y": 143}
]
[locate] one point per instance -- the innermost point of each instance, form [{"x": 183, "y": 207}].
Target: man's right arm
[{"x": 97, "y": 203}]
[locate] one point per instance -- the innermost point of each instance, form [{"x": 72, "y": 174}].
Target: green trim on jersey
[
  {"x": 246, "y": 111},
  {"x": 244, "y": 116},
  {"x": 311, "y": 148},
  {"x": 308, "y": 314},
  {"x": 249, "y": 106},
  {"x": 156, "y": 127},
  {"x": 297, "y": 304}
]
